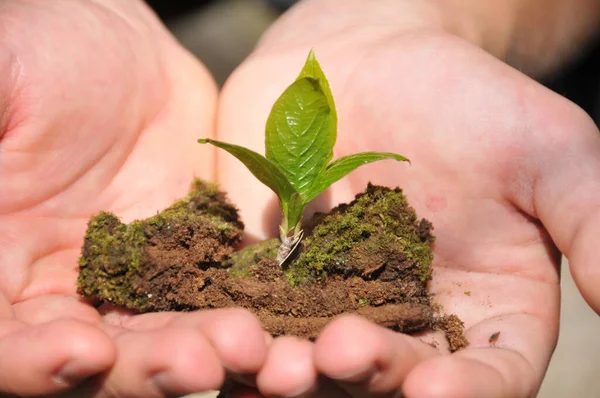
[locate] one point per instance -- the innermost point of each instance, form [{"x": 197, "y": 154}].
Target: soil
[{"x": 370, "y": 257}]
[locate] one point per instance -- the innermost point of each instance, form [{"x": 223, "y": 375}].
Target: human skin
[
  {"x": 100, "y": 111},
  {"x": 507, "y": 171}
]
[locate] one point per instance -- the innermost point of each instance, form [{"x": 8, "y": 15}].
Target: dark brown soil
[{"x": 370, "y": 257}]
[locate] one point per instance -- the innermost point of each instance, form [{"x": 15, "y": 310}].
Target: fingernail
[{"x": 74, "y": 372}]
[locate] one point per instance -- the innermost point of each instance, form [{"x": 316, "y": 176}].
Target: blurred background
[{"x": 223, "y": 32}]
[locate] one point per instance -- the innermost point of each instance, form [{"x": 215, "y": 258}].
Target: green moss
[
  {"x": 204, "y": 201},
  {"x": 114, "y": 254},
  {"x": 376, "y": 224},
  {"x": 108, "y": 239},
  {"x": 207, "y": 199}
]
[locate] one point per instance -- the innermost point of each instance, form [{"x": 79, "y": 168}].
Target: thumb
[{"x": 566, "y": 196}]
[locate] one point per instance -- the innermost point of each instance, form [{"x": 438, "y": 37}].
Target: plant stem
[{"x": 288, "y": 244}]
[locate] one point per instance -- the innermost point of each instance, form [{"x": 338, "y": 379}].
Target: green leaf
[
  {"x": 312, "y": 69},
  {"x": 345, "y": 165},
  {"x": 261, "y": 167},
  {"x": 301, "y": 128},
  {"x": 299, "y": 136}
]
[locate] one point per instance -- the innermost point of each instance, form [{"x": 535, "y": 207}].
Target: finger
[
  {"x": 486, "y": 372},
  {"x": 52, "y": 357},
  {"x": 51, "y": 307},
  {"x": 565, "y": 192},
  {"x": 235, "y": 334},
  {"x": 288, "y": 370},
  {"x": 507, "y": 357},
  {"x": 164, "y": 362},
  {"x": 365, "y": 358}
]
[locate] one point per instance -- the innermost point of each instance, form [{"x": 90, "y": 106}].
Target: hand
[
  {"x": 506, "y": 170},
  {"x": 99, "y": 107}
]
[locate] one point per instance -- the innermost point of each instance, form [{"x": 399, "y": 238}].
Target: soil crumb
[
  {"x": 453, "y": 328},
  {"x": 370, "y": 257}
]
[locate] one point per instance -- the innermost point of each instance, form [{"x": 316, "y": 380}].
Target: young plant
[{"x": 300, "y": 135}]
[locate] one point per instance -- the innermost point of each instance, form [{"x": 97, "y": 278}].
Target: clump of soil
[{"x": 370, "y": 257}]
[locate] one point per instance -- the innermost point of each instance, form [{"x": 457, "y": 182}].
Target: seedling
[
  {"x": 300, "y": 135},
  {"x": 371, "y": 257}
]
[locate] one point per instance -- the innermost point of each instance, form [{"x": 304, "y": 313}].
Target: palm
[
  {"x": 115, "y": 141},
  {"x": 467, "y": 139},
  {"x": 91, "y": 124},
  {"x": 471, "y": 129}
]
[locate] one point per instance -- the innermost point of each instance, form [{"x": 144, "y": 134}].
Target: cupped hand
[
  {"x": 100, "y": 109},
  {"x": 507, "y": 171}
]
